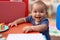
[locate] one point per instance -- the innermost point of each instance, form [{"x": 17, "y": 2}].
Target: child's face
[{"x": 38, "y": 12}]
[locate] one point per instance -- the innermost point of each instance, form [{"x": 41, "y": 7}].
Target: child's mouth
[{"x": 37, "y": 17}]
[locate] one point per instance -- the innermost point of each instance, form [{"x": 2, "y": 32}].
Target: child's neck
[{"x": 36, "y": 22}]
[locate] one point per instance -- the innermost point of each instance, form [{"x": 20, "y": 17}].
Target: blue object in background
[{"x": 58, "y": 17}]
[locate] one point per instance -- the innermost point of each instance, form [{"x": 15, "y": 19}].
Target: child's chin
[{"x": 37, "y": 20}]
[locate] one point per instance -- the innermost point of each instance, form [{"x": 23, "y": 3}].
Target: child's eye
[
  {"x": 42, "y": 11},
  {"x": 35, "y": 11}
]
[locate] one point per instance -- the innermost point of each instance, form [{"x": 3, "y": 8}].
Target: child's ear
[
  {"x": 30, "y": 14},
  {"x": 46, "y": 14}
]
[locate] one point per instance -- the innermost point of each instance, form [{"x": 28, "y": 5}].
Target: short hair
[{"x": 40, "y": 3}]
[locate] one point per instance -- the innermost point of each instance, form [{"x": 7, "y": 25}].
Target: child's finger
[
  {"x": 12, "y": 25},
  {"x": 24, "y": 29},
  {"x": 16, "y": 25},
  {"x": 9, "y": 24},
  {"x": 27, "y": 31}
]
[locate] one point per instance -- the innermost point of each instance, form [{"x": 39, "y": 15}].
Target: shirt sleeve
[
  {"x": 28, "y": 19},
  {"x": 45, "y": 21}
]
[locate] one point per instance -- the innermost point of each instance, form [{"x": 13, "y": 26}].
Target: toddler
[{"x": 38, "y": 19}]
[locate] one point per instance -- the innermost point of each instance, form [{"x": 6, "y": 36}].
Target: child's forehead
[
  {"x": 38, "y": 7},
  {"x": 38, "y": 4}
]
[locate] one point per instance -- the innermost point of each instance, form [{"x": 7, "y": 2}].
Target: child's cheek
[{"x": 33, "y": 14}]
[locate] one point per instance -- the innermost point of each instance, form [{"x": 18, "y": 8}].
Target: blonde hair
[{"x": 40, "y": 3}]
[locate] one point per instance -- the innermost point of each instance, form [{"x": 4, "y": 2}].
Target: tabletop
[{"x": 16, "y": 30}]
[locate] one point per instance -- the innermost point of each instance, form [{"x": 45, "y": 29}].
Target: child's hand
[
  {"x": 12, "y": 24},
  {"x": 27, "y": 29}
]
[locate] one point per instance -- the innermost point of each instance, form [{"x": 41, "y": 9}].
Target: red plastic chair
[{"x": 10, "y": 11}]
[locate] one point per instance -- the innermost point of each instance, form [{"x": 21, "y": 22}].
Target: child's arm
[
  {"x": 38, "y": 28},
  {"x": 14, "y": 23},
  {"x": 20, "y": 20}
]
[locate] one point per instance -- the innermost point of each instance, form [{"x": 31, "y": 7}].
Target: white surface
[{"x": 26, "y": 37}]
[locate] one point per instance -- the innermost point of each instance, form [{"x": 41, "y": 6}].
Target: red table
[{"x": 16, "y": 30}]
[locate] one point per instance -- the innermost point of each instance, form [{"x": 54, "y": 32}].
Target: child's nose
[{"x": 37, "y": 13}]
